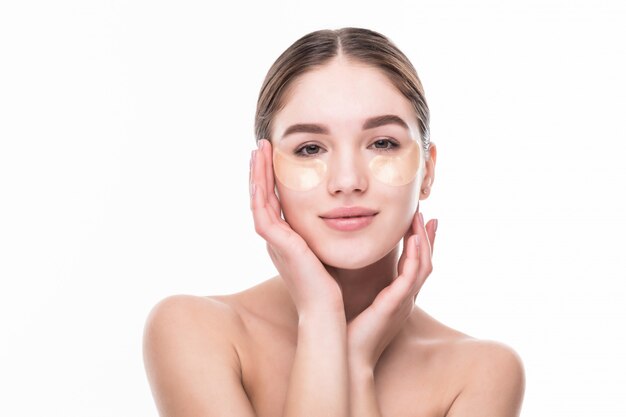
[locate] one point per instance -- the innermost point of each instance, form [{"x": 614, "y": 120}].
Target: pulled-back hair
[{"x": 316, "y": 49}]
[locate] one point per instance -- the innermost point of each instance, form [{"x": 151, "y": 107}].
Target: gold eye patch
[
  {"x": 298, "y": 173},
  {"x": 302, "y": 174},
  {"x": 399, "y": 168}
]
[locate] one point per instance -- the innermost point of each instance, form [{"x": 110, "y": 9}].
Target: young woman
[{"x": 343, "y": 159}]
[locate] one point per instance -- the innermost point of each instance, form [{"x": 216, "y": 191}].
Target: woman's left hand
[{"x": 370, "y": 332}]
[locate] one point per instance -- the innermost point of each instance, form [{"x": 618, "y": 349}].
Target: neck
[{"x": 361, "y": 286}]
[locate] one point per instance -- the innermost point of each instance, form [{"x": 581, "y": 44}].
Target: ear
[{"x": 429, "y": 173}]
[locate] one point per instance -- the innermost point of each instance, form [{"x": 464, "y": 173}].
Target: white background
[{"x": 126, "y": 129}]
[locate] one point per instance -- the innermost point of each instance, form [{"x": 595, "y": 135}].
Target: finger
[
  {"x": 425, "y": 252},
  {"x": 405, "y": 239},
  {"x": 431, "y": 228},
  {"x": 407, "y": 235},
  {"x": 266, "y": 223},
  {"x": 266, "y": 146},
  {"x": 276, "y": 234},
  {"x": 261, "y": 181},
  {"x": 403, "y": 286}
]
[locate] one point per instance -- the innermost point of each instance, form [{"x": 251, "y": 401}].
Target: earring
[{"x": 425, "y": 190}]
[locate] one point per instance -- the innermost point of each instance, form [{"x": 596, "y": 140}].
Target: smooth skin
[{"x": 322, "y": 340}]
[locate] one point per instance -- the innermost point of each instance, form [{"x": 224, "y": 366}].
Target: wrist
[
  {"x": 360, "y": 372},
  {"x": 325, "y": 333},
  {"x": 321, "y": 316},
  {"x": 362, "y": 389}
]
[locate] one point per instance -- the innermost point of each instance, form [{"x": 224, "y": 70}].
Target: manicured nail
[
  {"x": 421, "y": 219},
  {"x": 252, "y": 189},
  {"x": 435, "y": 225},
  {"x": 261, "y": 144},
  {"x": 416, "y": 241}
]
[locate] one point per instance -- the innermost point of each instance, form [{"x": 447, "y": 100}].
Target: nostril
[{"x": 348, "y": 182}]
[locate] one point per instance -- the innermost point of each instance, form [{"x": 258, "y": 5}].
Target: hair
[{"x": 316, "y": 49}]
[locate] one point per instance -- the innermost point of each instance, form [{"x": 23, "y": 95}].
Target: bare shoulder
[
  {"x": 191, "y": 358},
  {"x": 189, "y": 312},
  {"x": 493, "y": 379},
  {"x": 192, "y": 317},
  {"x": 474, "y": 354},
  {"x": 482, "y": 353},
  {"x": 481, "y": 377},
  {"x": 489, "y": 361},
  {"x": 201, "y": 322}
]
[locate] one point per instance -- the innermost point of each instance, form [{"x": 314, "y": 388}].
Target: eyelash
[
  {"x": 299, "y": 151},
  {"x": 392, "y": 146}
]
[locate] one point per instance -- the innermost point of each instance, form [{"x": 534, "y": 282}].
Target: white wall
[{"x": 126, "y": 130}]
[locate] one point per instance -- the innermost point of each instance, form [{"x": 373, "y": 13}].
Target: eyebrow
[{"x": 371, "y": 123}]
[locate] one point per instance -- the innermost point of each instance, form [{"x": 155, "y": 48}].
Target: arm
[
  {"x": 372, "y": 330},
  {"x": 190, "y": 360},
  {"x": 194, "y": 370},
  {"x": 363, "y": 401},
  {"x": 494, "y": 373},
  {"x": 318, "y": 384},
  {"x": 332, "y": 374}
]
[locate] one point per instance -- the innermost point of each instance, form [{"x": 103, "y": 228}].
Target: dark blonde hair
[{"x": 317, "y": 48}]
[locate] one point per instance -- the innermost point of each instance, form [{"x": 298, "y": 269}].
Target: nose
[{"x": 347, "y": 173}]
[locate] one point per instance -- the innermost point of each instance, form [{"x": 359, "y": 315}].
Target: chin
[
  {"x": 350, "y": 257},
  {"x": 342, "y": 264}
]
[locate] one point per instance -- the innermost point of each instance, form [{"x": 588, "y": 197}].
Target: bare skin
[
  {"x": 233, "y": 355},
  {"x": 345, "y": 340},
  {"x": 422, "y": 373},
  {"x": 418, "y": 374}
]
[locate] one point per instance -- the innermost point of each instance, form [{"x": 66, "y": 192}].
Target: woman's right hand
[{"x": 312, "y": 288}]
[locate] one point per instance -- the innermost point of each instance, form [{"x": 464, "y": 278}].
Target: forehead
[{"x": 341, "y": 94}]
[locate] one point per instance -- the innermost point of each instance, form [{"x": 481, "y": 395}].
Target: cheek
[
  {"x": 399, "y": 169},
  {"x": 295, "y": 205},
  {"x": 401, "y": 202},
  {"x": 296, "y": 173}
]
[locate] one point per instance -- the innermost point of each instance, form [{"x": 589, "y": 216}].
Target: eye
[
  {"x": 385, "y": 144},
  {"x": 308, "y": 150}
]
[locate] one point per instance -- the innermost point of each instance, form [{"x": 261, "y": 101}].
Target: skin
[
  {"x": 395, "y": 166},
  {"x": 340, "y": 319}
]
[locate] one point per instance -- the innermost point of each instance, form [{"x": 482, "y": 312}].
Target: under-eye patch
[
  {"x": 399, "y": 168},
  {"x": 298, "y": 173},
  {"x": 303, "y": 174}
]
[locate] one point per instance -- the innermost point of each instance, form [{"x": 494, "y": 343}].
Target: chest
[{"x": 407, "y": 383}]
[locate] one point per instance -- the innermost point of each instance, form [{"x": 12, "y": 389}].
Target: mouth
[
  {"x": 347, "y": 219},
  {"x": 348, "y": 213}
]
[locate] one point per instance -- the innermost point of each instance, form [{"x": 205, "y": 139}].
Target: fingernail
[
  {"x": 421, "y": 219},
  {"x": 435, "y": 226},
  {"x": 416, "y": 241},
  {"x": 261, "y": 144},
  {"x": 252, "y": 189}
]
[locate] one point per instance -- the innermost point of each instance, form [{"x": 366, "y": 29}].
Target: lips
[
  {"x": 348, "y": 219},
  {"x": 346, "y": 212}
]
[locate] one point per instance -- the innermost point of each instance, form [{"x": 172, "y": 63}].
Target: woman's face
[{"x": 335, "y": 157}]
